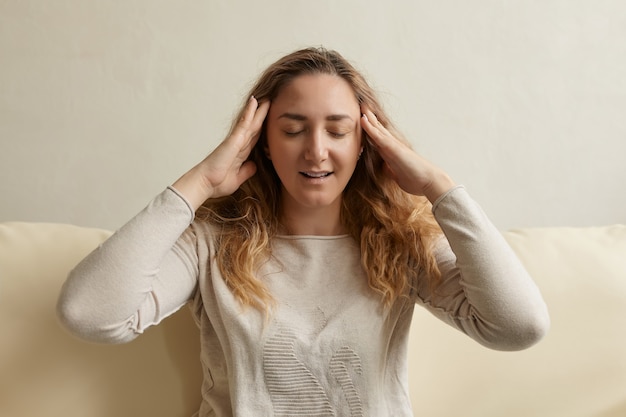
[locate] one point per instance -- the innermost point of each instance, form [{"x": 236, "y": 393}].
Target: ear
[{"x": 266, "y": 149}]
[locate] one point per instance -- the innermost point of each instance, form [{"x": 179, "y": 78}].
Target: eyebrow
[{"x": 300, "y": 117}]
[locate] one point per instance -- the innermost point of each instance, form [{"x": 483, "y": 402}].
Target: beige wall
[{"x": 104, "y": 103}]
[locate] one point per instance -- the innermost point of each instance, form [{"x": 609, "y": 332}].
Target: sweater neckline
[{"x": 312, "y": 237}]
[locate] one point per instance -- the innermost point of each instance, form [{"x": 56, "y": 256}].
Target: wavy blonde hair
[{"x": 396, "y": 230}]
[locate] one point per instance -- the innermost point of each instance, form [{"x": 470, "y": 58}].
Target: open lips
[{"x": 315, "y": 174}]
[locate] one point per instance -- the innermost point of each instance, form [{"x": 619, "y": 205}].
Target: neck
[{"x": 324, "y": 221}]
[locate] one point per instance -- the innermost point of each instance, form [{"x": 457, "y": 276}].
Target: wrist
[
  {"x": 192, "y": 189},
  {"x": 438, "y": 187}
]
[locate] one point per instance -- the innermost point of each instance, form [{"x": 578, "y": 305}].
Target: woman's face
[{"x": 314, "y": 140}]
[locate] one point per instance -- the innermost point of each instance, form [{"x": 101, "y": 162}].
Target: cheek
[{"x": 279, "y": 152}]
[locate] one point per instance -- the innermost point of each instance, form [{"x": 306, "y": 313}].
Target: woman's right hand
[{"x": 226, "y": 168}]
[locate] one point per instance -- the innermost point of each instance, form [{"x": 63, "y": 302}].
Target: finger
[
  {"x": 259, "y": 117},
  {"x": 249, "y": 111},
  {"x": 254, "y": 114},
  {"x": 371, "y": 121},
  {"x": 244, "y": 123},
  {"x": 254, "y": 129},
  {"x": 245, "y": 133},
  {"x": 376, "y": 131},
  {"x": 261, "y": 113}
]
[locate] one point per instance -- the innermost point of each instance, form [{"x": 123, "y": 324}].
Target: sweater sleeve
[
  {"x": 144, "y": 272},
  {"x": 484, "y": 290}
]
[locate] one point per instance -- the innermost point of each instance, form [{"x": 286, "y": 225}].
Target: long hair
[{"x": 396, "y": 231}]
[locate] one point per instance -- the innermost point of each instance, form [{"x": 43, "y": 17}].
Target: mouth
[{"x": 309, "y": 174}]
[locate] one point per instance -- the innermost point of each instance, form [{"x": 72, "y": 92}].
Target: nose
[{"x": 316, "y": 147}]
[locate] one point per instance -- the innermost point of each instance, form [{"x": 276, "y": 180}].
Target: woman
[{"x": 303, "y": 242}]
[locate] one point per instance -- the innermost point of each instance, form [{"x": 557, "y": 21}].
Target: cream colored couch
[{"x": 579, "y": 370}]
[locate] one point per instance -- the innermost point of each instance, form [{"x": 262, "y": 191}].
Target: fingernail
[{"x": 364, "y": 115}]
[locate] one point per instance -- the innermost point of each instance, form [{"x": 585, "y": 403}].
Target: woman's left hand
[{"x": 414, "y": 174}]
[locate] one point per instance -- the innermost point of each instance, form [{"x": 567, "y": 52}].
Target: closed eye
[
  {"x": 337, "y": 134},
  {"x": 334, "y": 134}
]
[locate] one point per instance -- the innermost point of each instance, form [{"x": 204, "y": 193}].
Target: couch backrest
[
  {"x": 44, "y": 371},
  {"x": 578, "y": 370}
]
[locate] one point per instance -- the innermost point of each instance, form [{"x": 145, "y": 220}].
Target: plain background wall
[{"x": 104, "y": 103}]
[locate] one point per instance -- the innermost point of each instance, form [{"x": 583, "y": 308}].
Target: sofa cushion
[
  {"x": 46, "y": 371},
  {"x": 578, "y": 370}
]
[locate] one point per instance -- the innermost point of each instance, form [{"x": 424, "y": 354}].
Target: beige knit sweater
[{"x": 330, "y": 348}]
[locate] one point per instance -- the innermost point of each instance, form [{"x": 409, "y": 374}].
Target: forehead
[{"x": 316, "y": 95}]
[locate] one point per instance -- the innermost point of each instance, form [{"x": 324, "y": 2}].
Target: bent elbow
[
  {"x": 79, "y": 322},
  {"x": 526, "y": 332},
  {"x": 537, "y": 328}
]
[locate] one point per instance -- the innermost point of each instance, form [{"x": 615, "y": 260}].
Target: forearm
[
  {"x": 127, "y": 283},
  {"x": 487, "y": 291}
]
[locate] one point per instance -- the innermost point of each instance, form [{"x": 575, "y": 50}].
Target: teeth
[{"x": 316, "y": 174}]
